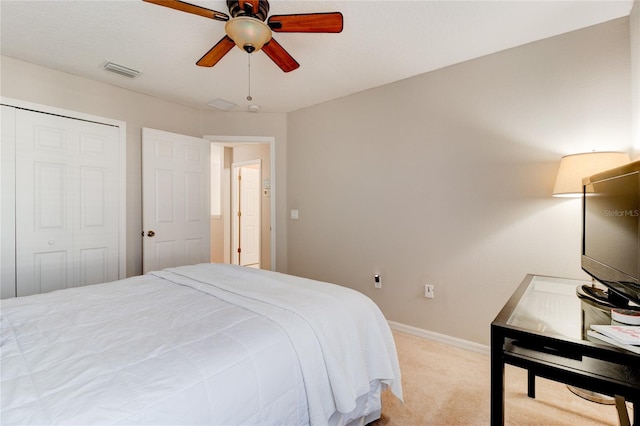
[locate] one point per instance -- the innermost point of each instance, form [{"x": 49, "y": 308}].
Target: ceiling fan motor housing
[{"x": 235, "y": 9}]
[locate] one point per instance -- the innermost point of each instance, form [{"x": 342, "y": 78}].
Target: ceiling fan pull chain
[{"x": 249, "y": 98}]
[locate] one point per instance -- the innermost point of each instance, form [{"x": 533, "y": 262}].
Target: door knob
[{"x": 151, "y": 234}]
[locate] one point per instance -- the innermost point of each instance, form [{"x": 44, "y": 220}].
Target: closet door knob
[{"x": 151, "y": 234}]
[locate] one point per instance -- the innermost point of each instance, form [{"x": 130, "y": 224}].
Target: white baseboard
[{"x": 442, "y": 338}]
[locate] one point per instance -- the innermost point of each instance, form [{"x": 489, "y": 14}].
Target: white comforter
[{"x": 208, "y": 344}]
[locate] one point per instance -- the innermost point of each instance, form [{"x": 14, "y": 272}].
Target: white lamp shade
[{"x": 573, "y": 168}]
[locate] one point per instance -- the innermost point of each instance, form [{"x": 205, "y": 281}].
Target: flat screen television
[{"x": 611, "y": 232}]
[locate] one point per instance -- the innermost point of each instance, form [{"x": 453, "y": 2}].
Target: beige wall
[
  {"x": 28, "y": 82},
  {"x": 446, "y": 178},
  {"x": 217, "y": 240}
]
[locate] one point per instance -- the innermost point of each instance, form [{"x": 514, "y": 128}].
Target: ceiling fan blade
[
  {"x": 281, "y": 57},
  {"x": 191, "y": 8},
  {"x": 216, "y": 53},
  {"x": 307, "y": 23}
]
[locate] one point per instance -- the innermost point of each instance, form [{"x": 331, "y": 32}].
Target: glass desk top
[{"x": 549, "y": 305}]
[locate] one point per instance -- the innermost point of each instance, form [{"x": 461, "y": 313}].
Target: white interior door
[
  {"x": 247, "y": 224},
  {"x": 67, "y": 202},
  {"x": 175, "y": 200}
]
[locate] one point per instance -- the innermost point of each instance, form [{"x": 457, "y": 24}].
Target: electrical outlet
[{"x": 428, "y": 291}]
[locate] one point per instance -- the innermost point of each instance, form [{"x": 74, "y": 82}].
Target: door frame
[
  {"x": 122, "y": 196},
  {"x": 272, "y": 159}
]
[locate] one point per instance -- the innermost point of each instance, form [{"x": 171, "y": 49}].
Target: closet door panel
[
  {"x": 94, "y": 266},
  {"x": 67, "y": 196},
  {"x": 49, "y": 272},
  {"x": 49, "y": 194},
  {"x": 44, "y": 225},
  {"x": 95, "y": 234}
]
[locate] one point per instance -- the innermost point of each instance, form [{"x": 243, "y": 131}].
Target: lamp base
[{"x": 592, "y": 396}]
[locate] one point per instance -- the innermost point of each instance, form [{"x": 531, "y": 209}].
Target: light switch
[{"x": 295, "y": 214}]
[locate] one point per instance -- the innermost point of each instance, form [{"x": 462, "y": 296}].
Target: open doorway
[{"x": 257, "y": 155}]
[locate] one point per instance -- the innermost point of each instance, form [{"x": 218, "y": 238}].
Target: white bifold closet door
[{"x": 67, "y": 195}]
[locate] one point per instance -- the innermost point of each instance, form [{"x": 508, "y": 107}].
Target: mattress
[{"x": 202, "y": 344}]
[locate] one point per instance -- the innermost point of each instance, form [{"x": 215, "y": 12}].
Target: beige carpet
[{"x": 445, "y": 385}]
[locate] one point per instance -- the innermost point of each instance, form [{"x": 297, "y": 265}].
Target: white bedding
[{"x": 204, "y": 344}]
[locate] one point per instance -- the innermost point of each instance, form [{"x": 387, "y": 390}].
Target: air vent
[
  {"x": 221, "y": 104},
  {"x": 122, "y": 70}
]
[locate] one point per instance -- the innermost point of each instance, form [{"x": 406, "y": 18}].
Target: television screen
[{"x": 611, "y": 230}]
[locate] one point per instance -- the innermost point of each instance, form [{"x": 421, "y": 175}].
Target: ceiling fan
[{"x": 247, "y": 29}]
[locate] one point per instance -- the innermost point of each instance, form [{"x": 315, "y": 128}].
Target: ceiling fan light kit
[{"x": 249, "y": 34}]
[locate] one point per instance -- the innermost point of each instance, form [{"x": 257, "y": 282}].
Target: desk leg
[
  {"x": 623, "y": 414},
  {"x": 531, "y": 384},
  {"x": 497, "y": 378}
]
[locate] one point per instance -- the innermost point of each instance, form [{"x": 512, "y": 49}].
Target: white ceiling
[{"x": 382, "y": 41}]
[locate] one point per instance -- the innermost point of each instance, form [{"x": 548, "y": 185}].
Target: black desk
[{"x": 541, "y": 329}]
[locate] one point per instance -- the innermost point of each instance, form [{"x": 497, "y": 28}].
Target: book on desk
[
  {"x": 625, "y": 316},
  {"x": 623, "y": 336}
]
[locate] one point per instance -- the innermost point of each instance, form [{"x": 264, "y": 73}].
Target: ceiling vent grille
[
  {"x": 221, "y": 104},
  {"x": 122, "y": 70}
]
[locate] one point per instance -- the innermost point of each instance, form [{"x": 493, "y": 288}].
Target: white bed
[{"x": 202, "y": 344}]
